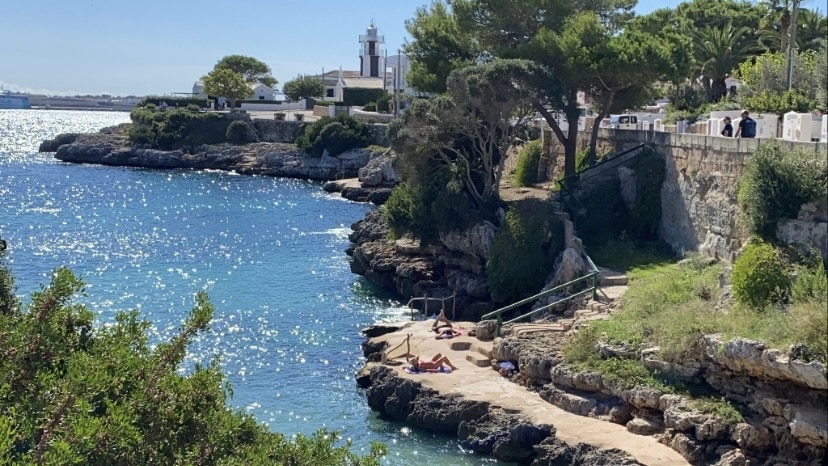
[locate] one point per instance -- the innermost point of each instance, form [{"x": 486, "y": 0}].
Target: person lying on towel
[{"x": 435, "y": 364}]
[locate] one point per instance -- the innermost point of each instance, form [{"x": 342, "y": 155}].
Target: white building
[{"x": 263, "y": 92}]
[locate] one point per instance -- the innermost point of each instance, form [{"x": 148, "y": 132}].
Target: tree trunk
[
  {"x": 718, "y": 90},
  {"x": 593, "y": 138}
]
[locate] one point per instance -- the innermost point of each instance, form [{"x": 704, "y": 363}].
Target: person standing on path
[
  {"x": 728, "y": 128},
  {"x": 747, "y": 126}
]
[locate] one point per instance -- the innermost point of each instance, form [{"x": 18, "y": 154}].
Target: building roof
[{"x": 363, "y": 83}]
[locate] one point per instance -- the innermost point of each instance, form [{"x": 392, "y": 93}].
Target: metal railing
[
  {"x": 567, "y": 197},
  {"x": 591, "y": 278},
  {"x": 426, "y": 300}
]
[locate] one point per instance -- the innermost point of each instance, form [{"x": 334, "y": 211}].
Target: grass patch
[
  {"x": 672, "y": 305},
  {"x": 626, "y": 373},
  {"x": 624, "y": 254},
  {"x": 720, "y": 408}
]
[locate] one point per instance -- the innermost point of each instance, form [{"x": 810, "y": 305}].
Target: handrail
[
  {"x": 426, "y": 299},
  {"x": 563, "y": 183},
  {"x": 612, "y": 158},
  {"x": 591, "y": 276}
]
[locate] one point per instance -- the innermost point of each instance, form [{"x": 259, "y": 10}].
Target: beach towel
[{"x": 412, "y": 370}]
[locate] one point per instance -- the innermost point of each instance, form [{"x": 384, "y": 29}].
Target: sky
[{"x": 161, "y": 47}]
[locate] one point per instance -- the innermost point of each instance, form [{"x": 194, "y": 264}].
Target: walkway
[{"x": 476, "y": 380}]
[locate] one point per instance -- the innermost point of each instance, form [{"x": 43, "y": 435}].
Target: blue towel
[{"x": 442, "y": 369}]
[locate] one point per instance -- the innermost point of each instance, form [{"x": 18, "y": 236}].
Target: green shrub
[
  {"x": 526, "y": 173},
  {"x": 337, "y": 138},
  {"x": 524, "y": 250},
  {"x": 776, "y": 182},
  {"x": 720, "y": 408},
  {"x": 760, "y": 275},
  {"x": 438, "y": 206},
  {"x": 237, "y": 132},
  {"x": 810, "y": 283},
  {"x": 176, "y": 127},
  {"x": 347, "y": 133},
  {"x": 790, "y": 100},
  {"x": 74, "y": 393}
]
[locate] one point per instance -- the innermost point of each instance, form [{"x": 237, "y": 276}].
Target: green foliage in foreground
[
  {"x": 334, "y": 134},
  {"x": 524, "y": 250},
  {"x": 175, "y": 128},
  {"x": 777, "y": 181},
  {"x": 74, "y": 393},
  {"x": 526, "y": 173}
]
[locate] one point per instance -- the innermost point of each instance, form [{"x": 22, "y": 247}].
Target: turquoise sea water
[{"x": 268, "y": 251}]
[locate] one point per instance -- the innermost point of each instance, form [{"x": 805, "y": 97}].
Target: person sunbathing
[
  {"x": 434, "y": 365},
  {"x": 447, "y": 333},
  {"x": 435, "y": 327}
]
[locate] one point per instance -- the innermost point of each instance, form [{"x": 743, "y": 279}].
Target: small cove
[{"x": 268, "y": 251}]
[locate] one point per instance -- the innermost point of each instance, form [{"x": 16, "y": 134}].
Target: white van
[{"x": 623, "y": 122}]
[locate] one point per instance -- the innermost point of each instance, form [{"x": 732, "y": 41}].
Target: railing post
[{"x": 594, "y": 286}]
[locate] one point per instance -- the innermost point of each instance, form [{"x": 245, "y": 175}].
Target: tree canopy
[
  {"x": 251, "y": 70},
  {"x": 227, "y": 83},
  {"x": 577, "y": 41},
  {"x": 304, "y": 87}
]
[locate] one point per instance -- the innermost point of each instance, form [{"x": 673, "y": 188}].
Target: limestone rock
[
  {"x": 752, "y": 358},
  {"x": 751, "y": 437},
  {"x": 477, "y": 240},
  {"x": 567, "y": 401},
  {"x": 733, "y": 457},
  {"x": 808, "y": 425},
  {"x": 468, "y": 283},
  {"x": 485, "y": 330},
  {"x": 690, "y": 449},
  {"x": 642, "y": 426},
  {"x": 555, "y": 452},
  {"x": 505, "y": 436},
  {"x": 379, "y": 171}
]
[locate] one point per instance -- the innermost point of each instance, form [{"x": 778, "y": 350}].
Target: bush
[
  {"x": 790, "y": 100},
  {"x": 346, "y": 133},
  {"x": 760, "y": 276},
  {"x": 237, "y": 132},
  {"x": 777, "y": 181},
  {"x": 73, "y": 393},
  {"x": 176, "y": 127},
  {"x": 526, "y": 173},
  {"x": 440, "y": 205},
  {"x": 524, "y": 250}
]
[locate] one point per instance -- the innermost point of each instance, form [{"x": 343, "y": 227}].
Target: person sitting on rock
[
  {"x": 434, "y": 365},
  {"x": 436, "y": 327}
]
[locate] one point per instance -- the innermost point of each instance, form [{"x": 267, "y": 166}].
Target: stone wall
[
  {"x": 277, "y": 130},
  {"x": 698, "y": 197}
]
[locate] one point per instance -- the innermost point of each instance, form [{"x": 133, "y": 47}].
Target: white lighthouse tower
[{"x": 371, "y": 53}]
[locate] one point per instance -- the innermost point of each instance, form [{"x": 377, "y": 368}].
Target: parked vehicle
[{"x": 623, "y": 121}]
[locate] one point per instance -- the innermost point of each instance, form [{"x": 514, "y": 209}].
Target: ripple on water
[{"x": 268, "y": 251}]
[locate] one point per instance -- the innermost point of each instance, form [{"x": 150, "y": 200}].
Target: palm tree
[
  {"x": 719, "y": 50},
  {"x": 774, "y": 27},
  {"x": 811, "y": 30}
]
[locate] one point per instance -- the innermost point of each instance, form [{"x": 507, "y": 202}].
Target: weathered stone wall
[
  {"x": 277, "y": 130},
  {"x": 698, "y": 197}
]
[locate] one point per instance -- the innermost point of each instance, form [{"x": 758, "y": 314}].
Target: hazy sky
[{"x": 124, "y": 47}]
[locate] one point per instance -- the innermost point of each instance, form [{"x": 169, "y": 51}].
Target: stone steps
[{"x": 478, "y": 359}]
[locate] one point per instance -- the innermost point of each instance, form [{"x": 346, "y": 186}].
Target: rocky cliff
[{"x": 781, "y": 402}]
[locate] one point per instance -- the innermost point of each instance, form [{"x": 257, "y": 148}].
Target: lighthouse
[{"x": 371, "y": 58}]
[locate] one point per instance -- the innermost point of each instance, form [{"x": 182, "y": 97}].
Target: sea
[{"x": 268, "y": 251}]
